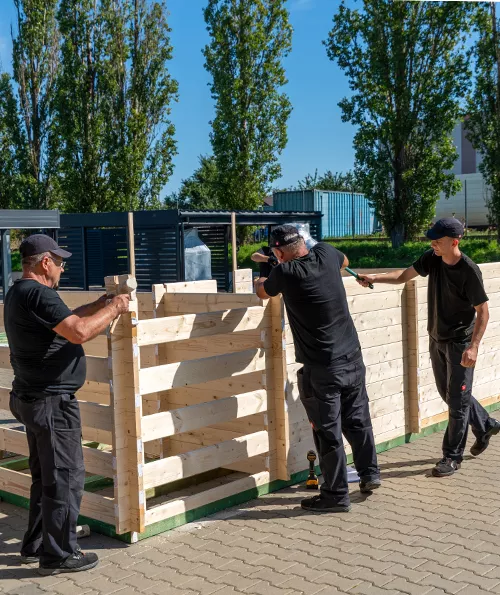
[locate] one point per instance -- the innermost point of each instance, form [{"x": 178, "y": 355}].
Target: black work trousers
[
  {"x": 454, "y": 384},
  {"x": 53, "y": 429},
  {"x": 336, "y": 403}
]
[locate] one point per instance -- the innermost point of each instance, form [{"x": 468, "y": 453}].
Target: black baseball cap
[
  {"x": 447, "y": 227},
  {"x": 38, "y": 244},
  {"x": 284, "y": 235}
]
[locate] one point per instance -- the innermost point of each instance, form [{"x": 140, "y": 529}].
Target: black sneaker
[
  {"x": 75, "y": 563},
  {"x": 481, "y": 444},
  {"x": 368, "y": 485},
  {"x": 445, "y": 467},
  {"x": 319, "y": 504},
  {"x": 30, "y": 559}
]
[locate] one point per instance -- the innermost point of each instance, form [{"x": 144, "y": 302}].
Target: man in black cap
[
  {"x": 332, "y": 381},
  {"x": 457, "y": 318},
  {"x": 45, "y": 340}
]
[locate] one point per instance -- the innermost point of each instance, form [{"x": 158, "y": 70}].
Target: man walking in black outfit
[
  {"x": 457, "y": 318},
  {"x": 48, "y": 360},
  {"x": 332, "y": 381}
]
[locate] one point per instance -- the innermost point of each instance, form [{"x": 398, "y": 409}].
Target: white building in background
[{"x": 470, "y": 203}]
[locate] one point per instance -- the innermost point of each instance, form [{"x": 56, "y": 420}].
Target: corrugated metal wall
[{"x": 344, "y": 213}]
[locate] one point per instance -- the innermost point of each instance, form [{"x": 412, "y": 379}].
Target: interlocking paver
[{"x": 414, "y": 536}]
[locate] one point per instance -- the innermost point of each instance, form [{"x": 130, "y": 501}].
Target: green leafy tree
[
  {"x": 34, "y": 62},
  {"x": 198, "y": 191},
  {"x": 249, "y": 40},
  {"x": 340, "y": 182},
  {"x": 483, "y": 106},
  {"x": 12, "y": 145},
  {"x": 408, "y": 70},
  {"x": 114, "y": 138}
]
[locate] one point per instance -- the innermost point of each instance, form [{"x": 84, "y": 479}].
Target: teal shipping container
[{"x": 344, "y": 213}]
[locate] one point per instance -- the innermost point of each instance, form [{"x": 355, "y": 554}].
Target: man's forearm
[
  {"x": 393, "y": 278},
  {"x": 93, "y": 325},
  {"x": 479, "y": 328}
]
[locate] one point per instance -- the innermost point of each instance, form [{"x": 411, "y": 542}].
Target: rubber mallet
[{"x": 354, "y": 274}]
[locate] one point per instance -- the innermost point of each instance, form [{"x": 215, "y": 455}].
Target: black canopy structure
[
  {"x": 100, "y": 246},
  {"x": 42, "y": 221}
]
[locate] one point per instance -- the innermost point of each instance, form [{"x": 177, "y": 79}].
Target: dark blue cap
[
  {"x": 39, "y": 243},
  {"x": 447, "y": 227}
]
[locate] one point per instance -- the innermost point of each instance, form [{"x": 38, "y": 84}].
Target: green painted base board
[{"x": 214, "y": 507}]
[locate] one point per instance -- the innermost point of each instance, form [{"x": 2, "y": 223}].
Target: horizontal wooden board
[
  {"x": 215, "y": 389},
  {"x": 94, "y": 506},
  {"x": 375, "y": 302},
  {"x": 387, "y": 405},
  {"x": 186, "y": 419},
  {"x": 352, "y": 287},
  {"x": 204, "y": 286},
  {"x": 383, "y": 319},
  {"x": 221, "y": 492},
  {"x": 191, "y": 326},
  {"x": 192, "y": 463},
  {"x": 169, "y": 376},
  {"x": 96, "y": 461},
  {"x": 192, "y": 303},
  {"x": 184, "y": 351}
]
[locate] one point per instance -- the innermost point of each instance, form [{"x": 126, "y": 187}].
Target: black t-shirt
[
  {"x": 44, "y": 363},
  {"x": 316, "y": 303},
  {"x": 452, "y": 293}
]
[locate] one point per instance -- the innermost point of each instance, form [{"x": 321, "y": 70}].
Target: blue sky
[{"x": 317, "y": 136}]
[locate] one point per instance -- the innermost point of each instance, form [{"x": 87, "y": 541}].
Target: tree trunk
[{"x": 398, "y": 235}]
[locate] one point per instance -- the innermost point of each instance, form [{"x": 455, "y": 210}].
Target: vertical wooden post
[
  {"x": 234, "y": 248},
  {"x": 159, "y": 311},
  {"x": 410, "y": 322},
  {"x": 128, "y": 450},
  {"x": 278, "y": 425},
  {"x": 131, "y": 244}
]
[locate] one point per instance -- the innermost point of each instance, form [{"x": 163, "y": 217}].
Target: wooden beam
[
  {"x": 410, "y": 317},
  {"x": 5, "y": 357},
  {"x": 243, "y": 281},
  {"x": 131, "y": 244},
  {"x": 126, "y": 401},
  {"x": 186, "y": 419},
  {"x": 198, "y": 461},
  {"x": 234, "y": 249},
  {"x": 278, "y": 422},
  {"x": 94, "y": 506},
  {"x": 169, "y": 376},
  {"x": 191, "y": 326},
  {"x": 193, "y": 303},
  {"x": 225, "y": 490},
  {"x": 96, "y": 461}
]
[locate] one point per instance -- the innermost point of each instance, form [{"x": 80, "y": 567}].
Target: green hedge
[{"x": 368, "y": 255}]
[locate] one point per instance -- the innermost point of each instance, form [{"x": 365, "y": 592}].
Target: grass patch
[{"x": 369, "y": 255}]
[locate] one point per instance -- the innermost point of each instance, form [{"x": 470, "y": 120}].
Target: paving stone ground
[{"x": 417, "y": 535}]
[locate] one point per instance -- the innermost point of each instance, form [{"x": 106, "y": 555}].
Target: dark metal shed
[{"x": 100, "y": 248}]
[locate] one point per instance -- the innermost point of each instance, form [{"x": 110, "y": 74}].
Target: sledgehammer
[{"x": 354, "y": 274}]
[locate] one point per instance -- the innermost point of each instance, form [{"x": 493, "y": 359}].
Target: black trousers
[
  {"x": 454, "y": 384},
  {"x": 336, "y": 403},
  {"x": 53, "y": 429}
]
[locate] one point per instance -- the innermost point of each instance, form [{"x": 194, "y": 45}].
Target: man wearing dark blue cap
[
  {"x": 45, "y": 340},
  {"x": 331, "y": 384},
  {"x": 457, "y": 319}
]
